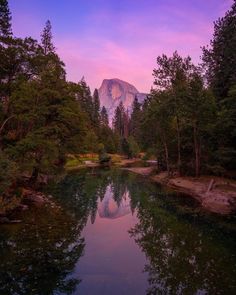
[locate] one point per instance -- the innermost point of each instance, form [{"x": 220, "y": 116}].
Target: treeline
[
  {"x": 189, "y": 119},
  {"x": 43, "y": 117},
  {"x": 188, "y": 122}
]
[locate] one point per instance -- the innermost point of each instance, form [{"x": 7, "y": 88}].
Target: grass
[
  {"x": 115, "y": 158},
  {"x": 77, "y": 160}
]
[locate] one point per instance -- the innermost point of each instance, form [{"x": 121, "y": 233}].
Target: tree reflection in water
[
  {"x": 186, "y": 253},
  {"x": 183, "y": 258},
  {"x": 37, "y": 256}
]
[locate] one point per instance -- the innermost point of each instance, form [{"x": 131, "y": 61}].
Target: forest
[
  {"x": 187, "y": 122},
  {"x": 112, "y": 190}
]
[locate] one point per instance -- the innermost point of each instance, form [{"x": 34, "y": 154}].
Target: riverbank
[
  {"x": 17, "y": 205},
  {"x": 117, "y": 161},
  {"x": 215, "y": 194}
]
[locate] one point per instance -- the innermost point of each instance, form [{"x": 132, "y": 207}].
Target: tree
[
  {"x": 46, "y": 39},
  {"x": 158, "y": 117},
  {"x": 104, "y": 117},
  {"x": 220, "y": 63},
  {"x": 5, "y": 20},
  {"x": 8, "y": 173},
  {"x": 106, "y": 135},
  {"x": 220, "y": 56},
  {"x": 172, "y": 75},
  {"x": 85, "y": 99},
  {"x": 135, "y": 120},
  {"x": 96, "y": 108},
  {"x": 133, "y": 147},
  {"x": 119, "y": 119},
  {"x": 199, "y": 113}
]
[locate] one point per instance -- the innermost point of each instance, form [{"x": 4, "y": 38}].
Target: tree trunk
[
  {"x": 34, "y": 176},
  {"x": 2, "y": 127},
  {"x": 167, "y": 158},
  {"x": 197, "y": 150},
  {"x": 179, "y": 147}
]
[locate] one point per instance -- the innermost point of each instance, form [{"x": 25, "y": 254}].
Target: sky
[{"x": 104, "y": 39}]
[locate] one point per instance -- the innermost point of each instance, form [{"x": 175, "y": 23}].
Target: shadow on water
[{"x": 182, "y": 250}]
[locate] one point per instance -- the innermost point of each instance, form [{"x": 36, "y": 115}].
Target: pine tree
[
  {"x": 172, "y": 74},
  {"x": 220, "y": 57},
  {"x": 220, "y": 62},
  {"x": 119, "y": 119},
  {"x": 96, "y": 108},
  {"x": 126, "y": 123},
  {"x": 5, "y": 19},
  {"x": 46, "y": 39},
  {"x": 104, "y": 117},
  {"x": 106, "y": 135},
  {"x": 135, "y": 120}
]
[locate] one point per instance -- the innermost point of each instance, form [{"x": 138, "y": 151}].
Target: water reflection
[
  {"x": 118, "y": 234},
  {"x": 184, "y": 256},
  {"x": 37, "y": 256},
  {"x": 110, "y": 208}
]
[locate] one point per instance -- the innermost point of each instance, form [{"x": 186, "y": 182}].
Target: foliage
[
  {"x": 104, "y": 158},
  {"x": 220, "y": 57},
  {"x": 8, "y": 173},
  {"x": 43, "y": 117}
]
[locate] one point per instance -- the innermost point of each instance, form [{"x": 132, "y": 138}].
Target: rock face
[{"x": 113, "y": 91}]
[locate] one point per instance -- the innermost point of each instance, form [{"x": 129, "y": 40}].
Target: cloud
[{"x": 97, "y": 58}]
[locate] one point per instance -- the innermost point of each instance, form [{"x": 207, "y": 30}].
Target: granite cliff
[{"x": 113, "y": 91}]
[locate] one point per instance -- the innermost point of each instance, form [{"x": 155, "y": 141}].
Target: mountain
[
  {"x": 109, "y": 208},
  {"x": 113, "y": 91}
]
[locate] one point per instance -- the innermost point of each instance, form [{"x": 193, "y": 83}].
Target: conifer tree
[
  {"x": 96, "y": 108},
  {"x": 220, "y": 61},
  {"x": 118, "y": 120},
  {"x": 220, "y": 56},
  {"x": 104, "y": 117},
  {"x": 46, "y": 39},
  {"x": 135, "y": 120},
  {"x": 5, "y": 19}
]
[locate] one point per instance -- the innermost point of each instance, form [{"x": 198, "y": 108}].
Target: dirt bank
[{"x": 215, "y": 194}]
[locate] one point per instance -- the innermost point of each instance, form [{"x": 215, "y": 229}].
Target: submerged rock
[
  {"x": 34, "y": 198},
  {"x": 6, "y": 220}
]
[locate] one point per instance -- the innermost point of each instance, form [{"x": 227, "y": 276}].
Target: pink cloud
[{"x": 98, "y": 58}]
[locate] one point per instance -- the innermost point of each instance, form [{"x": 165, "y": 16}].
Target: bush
[
  {"x": 130, "y": 147},
  {"x": 8, "y": 173},
  {"x": 104, "y": 158}
]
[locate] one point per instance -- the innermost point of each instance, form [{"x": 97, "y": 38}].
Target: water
[{"x": 117, "y": 233}]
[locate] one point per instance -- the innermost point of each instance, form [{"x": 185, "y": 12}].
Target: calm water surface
[{"x": 116, "y": 233}]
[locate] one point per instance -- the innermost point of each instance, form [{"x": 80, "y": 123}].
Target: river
[{"x": 114, "y": 232}]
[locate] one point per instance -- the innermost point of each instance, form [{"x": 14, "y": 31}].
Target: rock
[
  {"x": 114, "y": 91},
  {"x": 6, "y": 220},
  {"x": 22, "y": 207},
  {"x": 34, "y": 198}
]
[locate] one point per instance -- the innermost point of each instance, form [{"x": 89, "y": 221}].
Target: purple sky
[{"x": 102, "y": 39}]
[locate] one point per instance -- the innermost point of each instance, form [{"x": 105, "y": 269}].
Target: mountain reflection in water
[
  {"x": 109, "y": 208},
  {"x": 118, "y": 234}
]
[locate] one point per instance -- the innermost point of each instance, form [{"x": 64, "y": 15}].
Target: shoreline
[
  {"x": 30, "y": 198},
  {"x": 215, "y": 194}
]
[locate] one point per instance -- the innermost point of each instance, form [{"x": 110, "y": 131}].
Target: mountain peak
[{"x": 113, "y": 91}]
